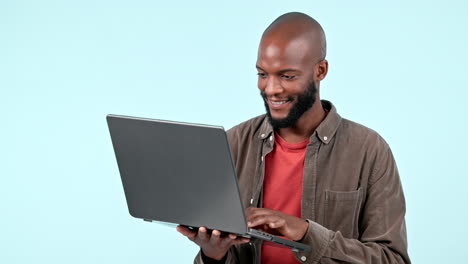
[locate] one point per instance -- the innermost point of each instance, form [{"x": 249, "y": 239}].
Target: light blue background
[{"x": 398, "y": 67}]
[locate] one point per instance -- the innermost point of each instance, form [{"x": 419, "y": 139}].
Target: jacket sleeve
[
  {"x": 382, "y": 230},
  {"x": 231, "y": 258}
]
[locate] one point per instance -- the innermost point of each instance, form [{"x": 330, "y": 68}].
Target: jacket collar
[{"x": 325, "y": 131}]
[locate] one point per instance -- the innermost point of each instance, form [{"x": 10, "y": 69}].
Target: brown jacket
[{"x": 352, "y": 196}]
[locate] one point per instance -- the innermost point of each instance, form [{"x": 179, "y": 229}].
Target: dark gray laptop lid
[{"x": 177, "y": 172}]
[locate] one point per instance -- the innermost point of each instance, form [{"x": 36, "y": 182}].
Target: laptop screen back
[{"x": 177, "y": 172}]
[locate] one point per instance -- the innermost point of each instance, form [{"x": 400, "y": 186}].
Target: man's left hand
[{"x": 277, "y": 223}]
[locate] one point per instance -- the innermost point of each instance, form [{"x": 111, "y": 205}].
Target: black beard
[{"x": 304, "y": 102}]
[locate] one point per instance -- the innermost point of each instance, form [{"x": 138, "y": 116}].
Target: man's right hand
[{"x": 213, "y": 245}]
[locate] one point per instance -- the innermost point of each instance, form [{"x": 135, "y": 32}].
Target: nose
[{"x": 273, "y": 86}]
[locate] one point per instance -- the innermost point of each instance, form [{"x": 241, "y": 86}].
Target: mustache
[{"x": 265, "y": 96}]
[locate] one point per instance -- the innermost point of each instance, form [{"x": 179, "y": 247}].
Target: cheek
[
  {"x": 295, "y": 87},
  {"x": 292, "y": 87},
  {"x": 261, "y": 84}
]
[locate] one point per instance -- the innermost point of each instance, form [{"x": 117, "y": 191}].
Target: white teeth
[{"x": 278, "y": 102}]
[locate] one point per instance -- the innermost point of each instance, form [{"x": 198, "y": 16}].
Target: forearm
[
  {"x": 331, "y": 247},
  {"x": 228, "y": 259}
]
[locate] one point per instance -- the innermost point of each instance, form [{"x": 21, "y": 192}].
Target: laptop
[{"x": 182, "y": 173}]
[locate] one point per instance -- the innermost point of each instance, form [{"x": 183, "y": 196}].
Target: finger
[
  {"x": 240, "y": 240},
  {"x": 255, "y": 212},
  {"x": 280, "y": 222},
  {"x": 249, "y": 210},
  {"x": 186, "y": 231},
  {"x": 215, "y": 236},
  {"x": 181, "y": 229},
  {"x": 227, "y": 241},
  {"x": 202, "y": 233},
  {"x": 262, "y": 220},
  {"x": 257, "y": 220}
]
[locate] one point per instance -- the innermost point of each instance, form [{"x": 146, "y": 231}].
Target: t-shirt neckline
[{"x": 290, "y": 146}]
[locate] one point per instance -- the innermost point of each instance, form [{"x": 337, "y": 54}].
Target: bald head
[
  {"x": 297, "y": 27},
  {"x": 291, "y": 63}
]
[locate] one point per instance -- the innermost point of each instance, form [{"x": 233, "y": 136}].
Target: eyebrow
[{"x": 280, "y": 71}]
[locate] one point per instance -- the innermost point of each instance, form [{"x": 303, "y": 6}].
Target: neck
[{"x": 305, "y": 126}]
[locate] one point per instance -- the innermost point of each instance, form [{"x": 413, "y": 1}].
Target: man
[{"x": 306, "y": 173}]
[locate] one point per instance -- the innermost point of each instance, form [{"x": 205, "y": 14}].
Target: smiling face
[
  {"x": 286, "y": 78},
  {"x": 290, "y": 64},
  {"x": 303, "y": 103}
]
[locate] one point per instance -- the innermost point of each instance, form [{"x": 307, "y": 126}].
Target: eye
[
  {"x": 261, "y": 75},
  {"x": 287, "y": 77}
]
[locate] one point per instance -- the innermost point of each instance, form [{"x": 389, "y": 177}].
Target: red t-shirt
[{"x": 282, "y": 190}]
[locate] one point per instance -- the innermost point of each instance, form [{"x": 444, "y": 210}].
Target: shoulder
[
  {"x": 358, "y": 134},
  {"x": 368, "y": 146}
]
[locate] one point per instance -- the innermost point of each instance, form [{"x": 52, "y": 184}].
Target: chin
[{"x": 278, "y": 116}]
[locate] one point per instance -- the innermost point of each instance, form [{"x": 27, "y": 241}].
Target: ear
[{"x": 321, "y": 70}]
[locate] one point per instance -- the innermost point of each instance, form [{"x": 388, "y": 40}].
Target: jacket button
[{"x": 303, "y": 258}]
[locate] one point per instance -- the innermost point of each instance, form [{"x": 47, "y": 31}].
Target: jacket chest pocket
[{"x": 341, "y": 212}]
